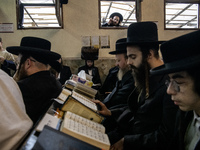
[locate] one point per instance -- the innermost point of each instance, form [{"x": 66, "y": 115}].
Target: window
[
  {"x": 39, "y": 14},
  {"x": 182, "y": 15},
  {"x": 126, "y": 8}
]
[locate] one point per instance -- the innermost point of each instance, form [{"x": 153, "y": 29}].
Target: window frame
[
  {"x": 138, "y": 13},
  {"x": 58, "y": 11},
  {"x": 183, "y": 2}
]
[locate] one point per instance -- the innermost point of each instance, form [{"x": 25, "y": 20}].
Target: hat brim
[
  {"x": 141, "y": 43},
  {"x": 45, "y": 54},
  {"x": 118, "y": 52},
  {"x": 176, "y": 66}
]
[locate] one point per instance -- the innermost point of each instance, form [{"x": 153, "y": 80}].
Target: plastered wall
[{"x": 81, "y": 19}]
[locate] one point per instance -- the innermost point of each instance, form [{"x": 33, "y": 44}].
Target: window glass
[
  {"x": 126, "y": 8},
  {"x": 39, "y": 14},
  {"x": 181, "y": 16}
]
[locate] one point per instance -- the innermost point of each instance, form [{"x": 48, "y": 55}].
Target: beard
[
  {"x": 20, "y": 73},
  {"x": 122, "y": 72},
  {"x": 141, "y": 76}
]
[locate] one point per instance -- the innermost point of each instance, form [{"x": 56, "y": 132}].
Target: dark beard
[
  {"x": 140, "y": 75},
  {"x": 20, "y": 73}
]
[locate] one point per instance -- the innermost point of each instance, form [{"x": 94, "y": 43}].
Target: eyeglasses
[{"x": 173, "y": 83}]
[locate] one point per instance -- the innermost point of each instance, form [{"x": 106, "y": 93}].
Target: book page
[
  {"x": 84, "y": 100},
  {"x": 73, "y": 105},
  {"x": 85, "y": 133},
  {"x": 64, "y": 94},
  {"x": 84, "y": 121}
]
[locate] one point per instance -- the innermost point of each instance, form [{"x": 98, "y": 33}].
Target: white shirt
[
  {"x": 192, "y": 135},
  {"x": 14, "y": 122}
]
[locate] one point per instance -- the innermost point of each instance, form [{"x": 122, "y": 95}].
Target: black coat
[
  {"x": 65, "y": 74},
  {"x": 37, "y": 91},
  {"x": 182, "y": 121},
  {"x": 120, "y": 93},
  {"x": 110, "y": 81},
  {"x": 149, "y": 123}
]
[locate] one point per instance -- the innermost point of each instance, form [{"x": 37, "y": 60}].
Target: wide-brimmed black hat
[
  {"x": 89, "y": 53},
  {"x": 37, "y": 48},
  {"x": 179, "y": 54},
  {"x": 142, "y": 33},
  {"x": 120, "y": 48},
  {"x": 117, "y": 14}
]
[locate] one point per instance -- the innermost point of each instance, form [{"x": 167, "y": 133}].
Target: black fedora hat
[
  {"x": 36, "y": 47},
  {"x": 142, "y": 33},
  {"x": 120, "y": 48},
  {"x": 179, "y": 54},
  {"x": 117, "y": 14}
]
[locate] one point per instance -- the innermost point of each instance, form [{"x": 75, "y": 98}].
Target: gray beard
[{"x": 122, "y": 72}]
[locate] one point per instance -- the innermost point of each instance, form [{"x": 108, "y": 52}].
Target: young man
[
  {"x": 148, "y": 122},
  {"x": 125, "y": 84},
  {"x": 37, "y": 85},
  {"x": 115, "y": 20},
  {"x": 182, "y": 64}
]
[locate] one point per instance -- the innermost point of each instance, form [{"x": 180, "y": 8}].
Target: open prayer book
[
  {"x": 85, "y": 130},
  {"x": 82, "y": 107}
]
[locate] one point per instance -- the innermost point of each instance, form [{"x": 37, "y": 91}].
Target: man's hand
[
  {"x": 118, "y": 145},
  {"x": 104, "y": 110},
  {"x": 110, "y": 22},
  {"x": 2, "y": 59}
]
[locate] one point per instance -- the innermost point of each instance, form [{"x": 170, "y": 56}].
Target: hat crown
[
  {"x": 35, "y": 42},
  {"x": 120, "y": 47},
  {"x": 187, "y": 45},
  {"x": 142, "y": 32}
]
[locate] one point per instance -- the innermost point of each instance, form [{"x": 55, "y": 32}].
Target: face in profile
[
  {"x": 138, "y": 65},
  {"x": 182, "y": 91}
]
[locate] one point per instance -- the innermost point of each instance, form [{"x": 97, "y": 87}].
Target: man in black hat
[
  {"x": 148, "y": 122},
  {"x": 115, "y": 20},
  {"x": 125, "y": 84},
  {"x": 90, "y": 55},
  {"x": 181, "y": 57},
  {"x": 37, "y": 85}
]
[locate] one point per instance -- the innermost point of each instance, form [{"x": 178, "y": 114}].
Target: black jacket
[
  {"x": 120, "y": 93},
  {"x": 65, "y": 74},
  {"x": 110, "y": 81},
  {"x": 37, "y": 91},
  {"x": 149, "y": 123}
]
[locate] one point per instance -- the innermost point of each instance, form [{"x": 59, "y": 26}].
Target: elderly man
[
  {"x": 37, "y": 85},
  {"x": 182, "y": 64},
  {"x": 149, "y": 120},
  {"x": 125, "y": 84}
]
